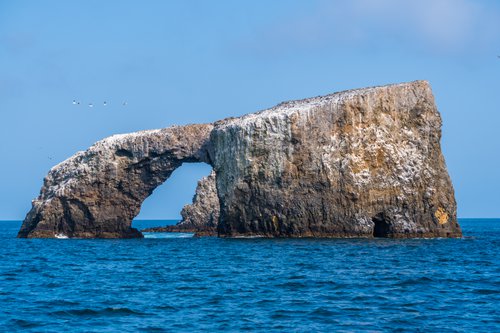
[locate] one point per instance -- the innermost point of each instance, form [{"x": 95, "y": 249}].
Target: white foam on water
[
  {"x": 158, "y": 235},
  {"x": 61, "y": 236}
]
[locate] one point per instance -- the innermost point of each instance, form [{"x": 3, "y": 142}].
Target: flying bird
[
  {"x": 124, "y": 103},
  {"x": 105, "y": 103},
  {"x": 74, "y": 102},
  {"x": 91, "y": 105}
]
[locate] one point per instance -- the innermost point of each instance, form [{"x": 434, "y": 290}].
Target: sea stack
[{"x": 360, "y": 163}]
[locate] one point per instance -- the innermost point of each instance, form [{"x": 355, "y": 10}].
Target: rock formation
[
  {"x": 360, "y": 163},
  {"x": 200, "y": 217},
  {"x": 97, "y": 193}
]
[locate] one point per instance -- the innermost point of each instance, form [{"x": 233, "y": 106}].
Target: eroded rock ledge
[{"x": 359, "y": 163}]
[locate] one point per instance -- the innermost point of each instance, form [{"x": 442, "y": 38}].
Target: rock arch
[
  {"x": 97, "y": 193},
  {"x": 318, "y": 167}
]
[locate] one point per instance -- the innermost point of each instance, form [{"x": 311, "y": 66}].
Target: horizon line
[{"x": 178, "y": 219}]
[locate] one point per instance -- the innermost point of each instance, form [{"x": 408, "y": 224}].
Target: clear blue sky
[{"x": 179, "y": 62}]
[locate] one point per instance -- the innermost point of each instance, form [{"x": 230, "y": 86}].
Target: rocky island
[{"x": 360, "y": 163}]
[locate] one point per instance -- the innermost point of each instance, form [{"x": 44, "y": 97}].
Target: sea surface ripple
[{"x": 185, "y": 284}]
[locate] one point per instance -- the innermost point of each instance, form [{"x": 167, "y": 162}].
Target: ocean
[{"x": 176, "y": 283}]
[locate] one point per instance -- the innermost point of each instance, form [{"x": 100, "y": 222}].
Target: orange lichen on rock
[{"x": 441, "y": 215}]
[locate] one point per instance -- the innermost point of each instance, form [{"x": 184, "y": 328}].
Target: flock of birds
[{"x": 91, "y": 105}]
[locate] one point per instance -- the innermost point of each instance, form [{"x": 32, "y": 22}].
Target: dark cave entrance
[{"x": 382, "y": 227}]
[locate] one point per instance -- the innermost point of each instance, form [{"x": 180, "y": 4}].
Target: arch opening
[{"x": 164, "y": 205}]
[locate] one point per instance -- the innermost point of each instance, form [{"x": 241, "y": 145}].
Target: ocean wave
[{"x": 109, "y": 311}]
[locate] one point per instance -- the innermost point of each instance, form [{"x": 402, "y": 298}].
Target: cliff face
[
  {"x": 97, "y": 193},
  {"x": 360, "y": 163}
]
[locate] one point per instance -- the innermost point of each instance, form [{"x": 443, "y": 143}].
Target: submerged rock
[{"x": 360, "y": 163}]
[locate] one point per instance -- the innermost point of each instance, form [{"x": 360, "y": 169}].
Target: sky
[{"x": 181, "y": 62}]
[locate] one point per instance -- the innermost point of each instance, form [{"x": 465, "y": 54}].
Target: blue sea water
[{"x": 185, "y": 284}]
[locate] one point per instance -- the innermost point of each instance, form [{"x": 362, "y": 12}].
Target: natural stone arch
[
  {"x": 97, "y": 193},
  {"x": 318, "y": 167}
]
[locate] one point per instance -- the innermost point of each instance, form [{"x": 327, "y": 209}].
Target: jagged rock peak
[{"x": 203, "y": 214}]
